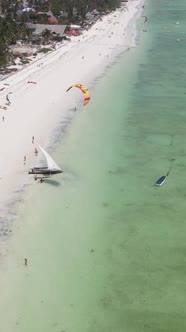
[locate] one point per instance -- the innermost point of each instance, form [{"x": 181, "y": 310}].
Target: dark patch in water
[
  {"x": 60, "y": 130},
  {"x": 120, "y": 170},
  {"x": 105, "y": 204},
  {"x": 145, "y": 321},
  {"x": 123, "y": 244},
  {"x": 105, "y": 302}
]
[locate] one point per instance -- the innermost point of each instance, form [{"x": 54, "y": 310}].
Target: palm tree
[{"x": 46, "y": 34}]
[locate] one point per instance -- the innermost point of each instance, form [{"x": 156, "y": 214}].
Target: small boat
[
  {"x": 51, "y": 168},
  {"x": 160, "y": 181}
]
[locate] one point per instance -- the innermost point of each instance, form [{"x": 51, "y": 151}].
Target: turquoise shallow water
[{"x": 105, "y": 248}]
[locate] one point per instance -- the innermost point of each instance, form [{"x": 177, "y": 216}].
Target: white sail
[{"x": 50, "y": 162}]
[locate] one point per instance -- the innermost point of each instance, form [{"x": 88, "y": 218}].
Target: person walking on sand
[
  {"x": 36, "y": 152},
  {"x": 26, "y": 261},
  {"x": 32, "y": 139}
]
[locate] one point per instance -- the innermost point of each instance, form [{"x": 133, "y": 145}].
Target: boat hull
[
  {"x": 160, "y": 181},
  {"x": 44, "y": 171}
]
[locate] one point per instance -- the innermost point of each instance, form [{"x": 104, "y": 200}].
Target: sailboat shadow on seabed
[{"x": 53, "y": 183}]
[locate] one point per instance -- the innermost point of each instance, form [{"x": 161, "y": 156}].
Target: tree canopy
[
  {"x": 13, "y": 26},
  {"x": 83, "y": 6}
]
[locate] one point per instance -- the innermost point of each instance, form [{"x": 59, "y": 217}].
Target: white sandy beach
[{"x": 36, "y": 109}]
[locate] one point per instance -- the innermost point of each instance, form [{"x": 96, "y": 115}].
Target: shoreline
[{"x": 36, "y": 109}]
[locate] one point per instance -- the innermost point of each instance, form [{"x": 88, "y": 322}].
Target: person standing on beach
[
  {"x": 3, "y": 119},
  {"x": 26, "y": 261},
  {"x": 24, "y": 160},
  {"x": 32, "y": 139}
]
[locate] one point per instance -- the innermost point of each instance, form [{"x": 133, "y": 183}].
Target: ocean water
[{"x": 105, "y": 247}]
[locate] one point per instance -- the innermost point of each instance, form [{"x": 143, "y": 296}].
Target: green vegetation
[
  {"x": 44, "y": 50},
  {"x": 82, "y": 6},
  {"x": 13, "y": 22},
  {"x": 46, "y": 34},
  {"x": 25, "y": 61},
  {"x": 11, "y": 29}
]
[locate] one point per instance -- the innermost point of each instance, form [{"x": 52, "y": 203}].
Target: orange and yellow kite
[{"x": 85, "y": 91}]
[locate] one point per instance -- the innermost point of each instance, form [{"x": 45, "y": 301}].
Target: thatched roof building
[{"x": 37, "y": 29}]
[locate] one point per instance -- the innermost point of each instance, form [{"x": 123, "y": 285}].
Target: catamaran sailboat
[{"x": 51, "y": 168}]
